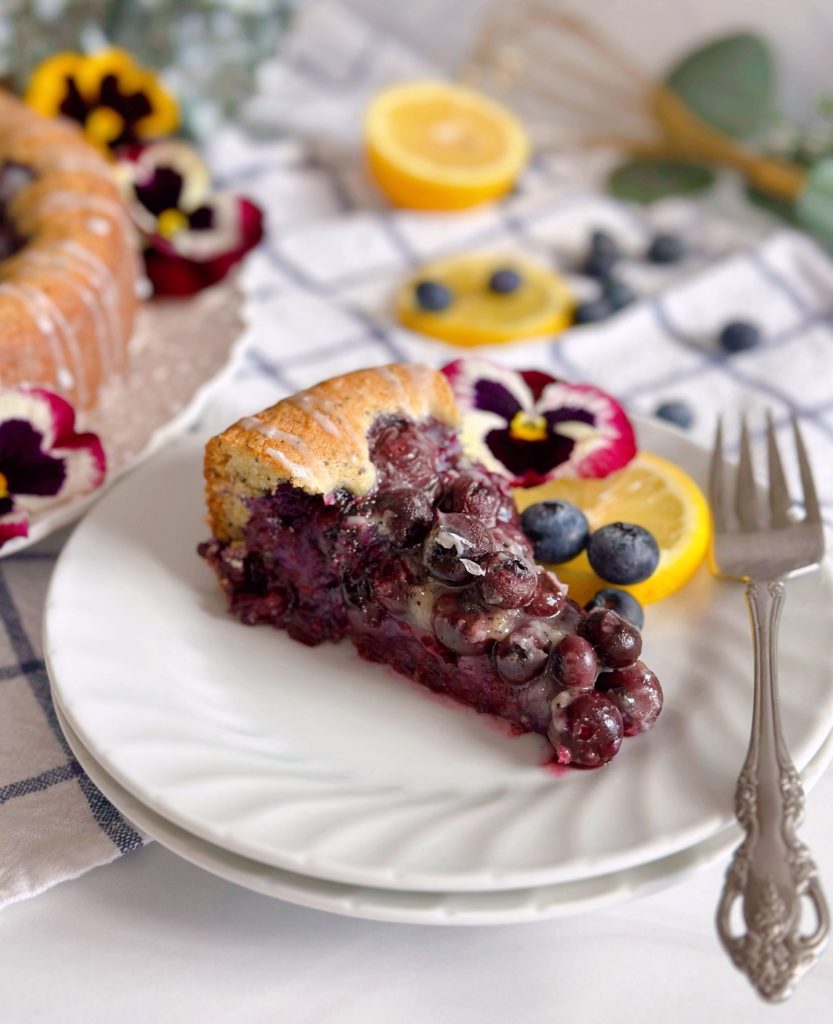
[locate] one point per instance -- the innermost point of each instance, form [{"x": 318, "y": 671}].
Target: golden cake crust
[
  {"x": 316, "y": 440},
  {"x": 68, "y": 297}
]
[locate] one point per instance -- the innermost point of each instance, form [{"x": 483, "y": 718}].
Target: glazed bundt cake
[{"x": 68, "y": 259}]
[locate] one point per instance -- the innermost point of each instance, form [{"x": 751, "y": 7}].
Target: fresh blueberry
[
  {"x": 433, "y": 296},
  {"x": 739, "y": 336},
  {"x": 504, "y": 281},
  {"x": 623, "y": 553},
  {"x": 599, "y": 265},
  {"x": 665, "y": 249},
  {"x": 678, "y": 413},
  {"x": 621, "y": 602},
  {"x": 592, "y": 311},
  {"x": 617, "y": 293},
  {"x": 602, "y": 243},
  {"x": 557, "y": 529}
]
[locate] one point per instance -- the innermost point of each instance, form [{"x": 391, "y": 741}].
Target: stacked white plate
[{"x": 318, "y": 778}]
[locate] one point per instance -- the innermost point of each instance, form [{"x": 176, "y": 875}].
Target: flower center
[
  {"x": 170, "y": 222},
  {"x": 104, "y": 125},
  {"x": 528, "y": 428},
  {"x": 4, "y": 487}
]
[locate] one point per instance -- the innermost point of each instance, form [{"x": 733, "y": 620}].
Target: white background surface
[{"x": 152, "y": 939}]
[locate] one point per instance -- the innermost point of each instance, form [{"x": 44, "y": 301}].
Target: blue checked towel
[{"x": 319, "y": 291}]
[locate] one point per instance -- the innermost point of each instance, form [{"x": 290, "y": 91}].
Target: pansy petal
[
  {"x": 47, "y": 87},
  {"x": 29, "y": 405},
  {"x": 86, "y": 462},
  {"x": 536, "y": 381},
  {"x": 62, "y": 413},
  {"x": 14, "y": 524},
  {"x": 475, "y": 429},
  {"x": 111, "y": 61},
  {"x": 42, "y": 458},
  {"x": 530, "y": 462},
  {"x": 163, "y": 118},
  {"x": 174, "y": 267},
  {"x": 173, "y": 275},
  {"x": 26, "y": 467},
  {"x": 481, "y": 384},
  {"x": 603, "y": 434}
]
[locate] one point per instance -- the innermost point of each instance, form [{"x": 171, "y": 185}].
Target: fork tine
[
  {"x": 746, "y": 498},
  {"x": 779, "y": 495},
  {"x": 717, "y": 482},
  {"x": 811, "y": 501}
]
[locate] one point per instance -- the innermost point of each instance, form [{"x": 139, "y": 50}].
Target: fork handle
[{"x": 771, "y": 872}]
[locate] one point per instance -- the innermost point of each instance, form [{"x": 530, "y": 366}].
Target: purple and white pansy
[
  {"x": 533, "y": 427},
  {"x": 192, "y": 234},
  {"x": 42, "y": 459}
]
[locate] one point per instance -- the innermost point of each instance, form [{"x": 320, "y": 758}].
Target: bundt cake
[{"x": 69, "y": 262}]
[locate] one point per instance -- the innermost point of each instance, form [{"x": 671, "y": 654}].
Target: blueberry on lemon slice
[{"x": 482, "y": 299}]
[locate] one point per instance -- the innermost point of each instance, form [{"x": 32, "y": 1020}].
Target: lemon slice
[
  {"x": 435, "y": 146},
  {"x": 651, "y": 492},
  {"x": 541, "y": 305}
]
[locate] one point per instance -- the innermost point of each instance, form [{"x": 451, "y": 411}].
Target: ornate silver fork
[{"x": 772, "y": 871}]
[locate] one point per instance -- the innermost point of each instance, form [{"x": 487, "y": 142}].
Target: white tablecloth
[{"x": 150, "y": 938}]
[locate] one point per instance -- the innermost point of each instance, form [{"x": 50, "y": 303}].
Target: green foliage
[
  {"x": 814, "y": 207},
  {"x": 729, "y": 83},
  {"x": 644, "y": 180}
]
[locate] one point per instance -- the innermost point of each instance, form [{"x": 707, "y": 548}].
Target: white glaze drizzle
[
  {"x": 106, "y": 281},
  {"x": 64, "y": 199},
  {"x": 56, "y": 261},
  {"x": 50, "y": 309},
  {"x": 300, "y": 445},
  {"x": 42, "y": 321},
  {"x": 393, "y": 379},
  {"x": 309, "y": 404},
  {"x": 296, "y": 469},
  {"x": 85, "y": 165}
]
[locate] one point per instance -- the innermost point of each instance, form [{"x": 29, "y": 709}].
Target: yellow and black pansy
[{"x": 116, "y": 100}]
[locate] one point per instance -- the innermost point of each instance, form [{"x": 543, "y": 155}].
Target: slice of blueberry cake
[{"x": 350, "y": 510}]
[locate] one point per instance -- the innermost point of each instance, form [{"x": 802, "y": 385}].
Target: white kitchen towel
[{"x": 319, "y": 293}]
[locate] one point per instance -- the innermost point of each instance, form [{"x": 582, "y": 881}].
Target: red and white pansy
[
  {"x": 533, "y": 427},
  {"x": 192, "y": 234},
  {"x": 43, "y": 460}
]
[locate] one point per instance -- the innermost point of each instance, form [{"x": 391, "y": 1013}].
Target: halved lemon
[
  {"x": 435, "y": 146},
  {"x": 541, "y": 305},
  {"x": 651, "y": 492}
]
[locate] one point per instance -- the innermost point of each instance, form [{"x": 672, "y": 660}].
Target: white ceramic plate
[
  {"x": 317, "y": 762},
  {"x": 510, "y": 906},
  {"x": 181, "y": 352}
]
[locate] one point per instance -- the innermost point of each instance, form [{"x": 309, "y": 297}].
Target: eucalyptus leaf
[
  {"x": 644, "y": 180},
  {"x": 814, "y": 207},
  {"x": 730, "y": 84}
]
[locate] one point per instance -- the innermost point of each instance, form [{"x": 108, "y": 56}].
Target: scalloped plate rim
[
  {"x": 455, "y": 909},
  {"x": 381, "y": 875}
]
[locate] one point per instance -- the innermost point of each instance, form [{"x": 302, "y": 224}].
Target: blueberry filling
[{"x": 431, "y": 574}]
